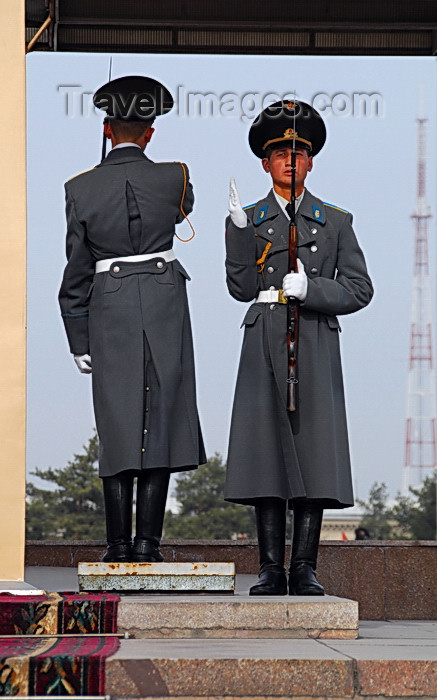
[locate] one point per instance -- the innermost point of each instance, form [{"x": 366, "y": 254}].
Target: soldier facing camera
[{"x": 280, "y": 458}]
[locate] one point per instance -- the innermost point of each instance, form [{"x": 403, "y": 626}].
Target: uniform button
[
  {"x": 313, "y": 230},
  {"x": 147, "y": 388},
  {"x": 271, "y": 231},
  {"x": 314, "y": 270},
  {"x": 160, "y": 265},
  {"x": 142, "y": 449},
  {"x": 147, "y": 410},
  {"x": 270, "y": 269},
  {"x": 272, "y": 287},
  {"x": 313, "y": 248},
  {"x": 145, "y": 432},
  {"x": 272, "y": 306},
  {"x": 116, "y": 269}
]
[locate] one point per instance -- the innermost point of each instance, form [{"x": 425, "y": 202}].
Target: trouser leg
[
  {"x": 270, "y": 524},
  {"x": 117, "y": 492},
  {"x": 307, "y": 524},
  {"x": 152, "y": 488}
]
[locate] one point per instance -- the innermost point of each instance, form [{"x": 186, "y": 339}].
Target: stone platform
[
  {"x": 389, "y": 660},
  {"x": 401, "y": 585},
  {"x": 164, "y": 616}
]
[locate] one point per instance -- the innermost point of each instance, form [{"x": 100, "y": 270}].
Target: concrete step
[
  {"x": 380, "y": 663},
  {"x": 169, "y": 616}
]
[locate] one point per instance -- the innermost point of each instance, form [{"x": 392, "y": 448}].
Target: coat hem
[
  {"x": 140, "y": 470},
  {"x": 330, "y": 503}
]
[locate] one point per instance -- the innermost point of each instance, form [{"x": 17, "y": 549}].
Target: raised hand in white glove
[
  {"x": 83, "y": 363},
  {"x": 295, "y": 284},
  {"x": 238, "y": 216}
]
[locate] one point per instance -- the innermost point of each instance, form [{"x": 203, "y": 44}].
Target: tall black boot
[
  {"x": 270, "y": 525},
  {"x": 306, "y": 535},
  {"x": 117, "y": 491},
  {"x": 152, "y": 487}
]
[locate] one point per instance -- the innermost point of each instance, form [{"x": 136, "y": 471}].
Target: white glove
[
  {"x": 295, "y": 284},
  {"x": 238, "y": 216},
  {"x": 83, "y": 363}
]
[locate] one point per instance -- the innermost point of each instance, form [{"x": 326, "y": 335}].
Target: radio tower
[{"x": 420, "y": 438}]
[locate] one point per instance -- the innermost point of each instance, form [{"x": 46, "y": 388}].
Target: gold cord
[
  {"x": 261, "y": 261},
  {"x": 185, "y": 240}
]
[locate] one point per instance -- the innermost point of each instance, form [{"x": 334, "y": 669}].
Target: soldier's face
[{"x": 279, "y": 167}]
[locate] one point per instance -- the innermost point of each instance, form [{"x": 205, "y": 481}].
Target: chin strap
[{"x": 184, "y": 189}]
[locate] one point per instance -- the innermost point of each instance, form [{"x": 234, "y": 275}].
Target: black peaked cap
[
  {"x": 133, "y": 98},
  {"x": 285, "y": 121}
]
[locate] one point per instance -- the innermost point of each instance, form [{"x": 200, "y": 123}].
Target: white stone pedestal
[{"x": 165, "y": 577}]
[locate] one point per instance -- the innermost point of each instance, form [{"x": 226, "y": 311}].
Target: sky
[{"x": 368, "y": 166}]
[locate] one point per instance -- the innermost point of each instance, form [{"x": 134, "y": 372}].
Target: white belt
[
  {"x": 105, "y": 265},
  {"x": 270, "y": 296}
]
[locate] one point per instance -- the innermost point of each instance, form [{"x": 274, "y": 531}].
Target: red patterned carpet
[
  {"x": 59, "y": 613},
  {"x": 34, "y": 664},
  {"x": 47, "y": 666}
]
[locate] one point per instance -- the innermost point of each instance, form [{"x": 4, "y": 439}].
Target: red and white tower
[{"x": 420, "y": 438}]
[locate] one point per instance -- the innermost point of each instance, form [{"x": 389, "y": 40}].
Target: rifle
[
  {"x": 106, "y": 118},
  {"x": 292, "y": 306}
]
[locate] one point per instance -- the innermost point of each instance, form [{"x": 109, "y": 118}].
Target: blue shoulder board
[{"x": 333, "y": 206}]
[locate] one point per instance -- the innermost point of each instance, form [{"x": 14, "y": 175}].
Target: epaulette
[
  {"x": 333, "y": 206},
  {"x": 82, "y": 173},
  {"x": 249, "y": 206}
]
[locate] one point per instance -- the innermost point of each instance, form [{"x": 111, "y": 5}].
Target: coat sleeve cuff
[
  {"x": 240, "y": 244},
  {"x": 76, "y": 327}
]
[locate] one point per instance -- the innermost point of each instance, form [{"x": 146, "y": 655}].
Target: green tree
[
  {"x": 203, "y": 514},
  {"x": 377, "y": 515},
  {"x": 73, "y": 507},
  {"x": 416, "y": 517}
]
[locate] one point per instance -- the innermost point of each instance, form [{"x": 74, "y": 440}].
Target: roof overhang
[{"x": 304, "y": 27}]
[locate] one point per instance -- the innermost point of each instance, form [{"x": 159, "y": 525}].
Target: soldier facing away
[
  {"x": 125, "y": 310},
  {"x": 300, "y": 458}
]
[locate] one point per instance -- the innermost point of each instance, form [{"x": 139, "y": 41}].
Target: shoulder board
[
  {"x": 333, "y": 206},
  {"x": 249, "y": 206},
  {"x": 78, "y": 174}
]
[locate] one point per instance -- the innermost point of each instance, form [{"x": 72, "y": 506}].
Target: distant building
[{"x": 340, "y": 524}]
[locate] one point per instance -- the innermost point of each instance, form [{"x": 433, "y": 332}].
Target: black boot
[
  {"x": 117, "y": 492},
  {"x": 307, "y": 521},
  {"x": 270, "y": 525},
  {"x": 152, "y": 487}
]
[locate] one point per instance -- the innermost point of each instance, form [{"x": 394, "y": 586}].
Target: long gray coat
[
  {"x": 303, "y": 454},
  {"x": 134, "y": 322}
]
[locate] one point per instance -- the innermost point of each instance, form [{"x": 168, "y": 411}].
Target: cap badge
[{"x": 290, "y": 134}]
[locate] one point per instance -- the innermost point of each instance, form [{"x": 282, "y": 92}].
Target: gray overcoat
[
  {"x": 133, "y": 319},
  {"x": 305, "y": 453}
]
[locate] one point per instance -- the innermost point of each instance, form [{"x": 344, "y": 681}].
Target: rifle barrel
[
  {"x": 292, "y": 325},
  {"x": 292, "y": 306}
]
